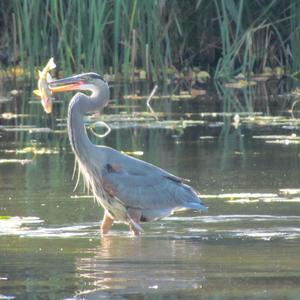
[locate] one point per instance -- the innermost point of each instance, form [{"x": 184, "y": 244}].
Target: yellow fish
[{"x": 43, "y": 89}]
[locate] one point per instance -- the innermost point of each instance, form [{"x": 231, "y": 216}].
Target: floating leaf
[
  {"x": 240, "y": 76},
  {"x": 4, "y": 297},
  {"x": 3, "y": 99},
  {"x": 248, "y": 198},
  {"x": 9, "y": 116},
  {"x": 279, "y": 71},
  {"x": 270, "y": 121},
  {"x": 62, "y": 131},
  {"x": 38, "y": 151},
  {"x": 123, "y": 106},
  {"x": 260, "y": 78},
  {"x": 184, "y": 96},
  {"x": 240, "y": 84},
  {"x": 279, "y": 139},
  {"x": 267, "y": 71},
  {"x": 22, "y": 128},
  {"x": 296, "y": 92},
  {"x": 290, "y": 192},
  {"x": 81, "y": 196},
  {"x": 229, "y": 114},
  {"x": 203, "y": 76},
  {"x": 32, "y": 149},
  {"x": 239, "y": 196},
  {"x": 236, "y": 121},
  {"x": 16, "y": 161},
  {"x": 206, "y": 137},
  {"x": 143, "y": 74},
  {"x": 17, "y": 71},
  {"x": 243, "y": 201},
  {"x": 134, "y": 153},
  {"x": 184, "y": 93},
  {"x": 15, "y": 92},
  {"x": 284, "y": 142}
]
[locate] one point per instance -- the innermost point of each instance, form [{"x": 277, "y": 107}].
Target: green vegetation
[{"x": 224, "y": 37}]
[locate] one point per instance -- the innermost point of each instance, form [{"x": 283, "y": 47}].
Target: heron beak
[{"x": 66, "y": 84}]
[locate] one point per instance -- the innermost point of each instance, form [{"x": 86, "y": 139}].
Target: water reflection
[
  {"x": 247, "y": 246},
  {"x": 141, "y": 265}
]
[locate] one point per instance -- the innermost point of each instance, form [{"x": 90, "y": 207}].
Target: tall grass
[
  {"x": 252, "y": 35},
  {"x": 118, "y": 36}
]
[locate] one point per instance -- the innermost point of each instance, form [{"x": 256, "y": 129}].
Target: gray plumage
[{"x": 119, "y": 182}]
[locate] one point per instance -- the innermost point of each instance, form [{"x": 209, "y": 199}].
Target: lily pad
[
  {"x": 249, "y": 198},
  {"x": 10, "y": 115},
  {"x": 134, "y": 153},
  {"x": 240, "y": 84},
  {"x": 279, "y": 139},
  {"x": 16, "y": 161},
  {"x": 289, "y": 192},
  {"x": 22, "y": 128},
  {"x": 3, "y": 99},
  {"x": 233, "y": 196},
  {"x": 39, "y": 151}
]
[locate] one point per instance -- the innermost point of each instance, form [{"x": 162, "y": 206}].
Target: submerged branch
[{"x": 150, "y": 98}]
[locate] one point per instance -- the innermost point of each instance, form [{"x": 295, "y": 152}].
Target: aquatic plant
[{"x": 159, "y": 37}]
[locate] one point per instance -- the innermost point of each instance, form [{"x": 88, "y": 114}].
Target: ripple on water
[
  {"x": 267, "y": 235},
  {"x": 16, "y": 225},
  {"x": 5, "y": 297},
  {"x": 196, "y": 227},
  {"x": 131, "y": 266},
  {"x": 233, "y": 218},
  {"x": 31, "y": 227}
]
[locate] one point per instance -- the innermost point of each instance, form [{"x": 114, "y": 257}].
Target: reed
[{"x": 223, "y": 36}]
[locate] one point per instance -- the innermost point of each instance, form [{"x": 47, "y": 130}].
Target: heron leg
[
  {"x": 106, "y": 223},
  {"x": 135, "y": 215}
]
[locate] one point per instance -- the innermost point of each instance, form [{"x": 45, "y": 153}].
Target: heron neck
[
  {"x": 78, "y": 107},
  {"x": 76, "y": 129}
]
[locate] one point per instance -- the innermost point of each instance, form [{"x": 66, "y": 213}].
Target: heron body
[{"x": 130, "y": 190}]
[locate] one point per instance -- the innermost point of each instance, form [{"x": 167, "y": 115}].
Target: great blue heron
[{"x": 130, "y": 190}]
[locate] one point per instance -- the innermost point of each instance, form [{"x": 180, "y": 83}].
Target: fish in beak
[{"x": 43, "y": 90}]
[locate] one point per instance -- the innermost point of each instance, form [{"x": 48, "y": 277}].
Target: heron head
[{"x": 85, "y": 81}]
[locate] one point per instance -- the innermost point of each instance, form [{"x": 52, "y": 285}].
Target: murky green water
[{"x": 245, "y": 247}]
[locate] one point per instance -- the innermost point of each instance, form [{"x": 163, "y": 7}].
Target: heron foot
[
  {"x": 135, "y": 215},
  {"x": 106, "y": 223}
]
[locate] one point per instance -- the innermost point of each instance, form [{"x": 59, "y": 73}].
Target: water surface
[{"x": 245, "y": 247}]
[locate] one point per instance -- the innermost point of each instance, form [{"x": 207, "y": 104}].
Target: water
[{"x": 245, "y": 247}]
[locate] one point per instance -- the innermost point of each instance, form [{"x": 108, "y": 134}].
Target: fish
[{"x": 43, "y": 90}]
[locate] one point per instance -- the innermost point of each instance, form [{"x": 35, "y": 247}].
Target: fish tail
[{"x": 51, "y": 64}]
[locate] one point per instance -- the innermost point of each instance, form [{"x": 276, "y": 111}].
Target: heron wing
[{"x": 142, "y": 185}]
